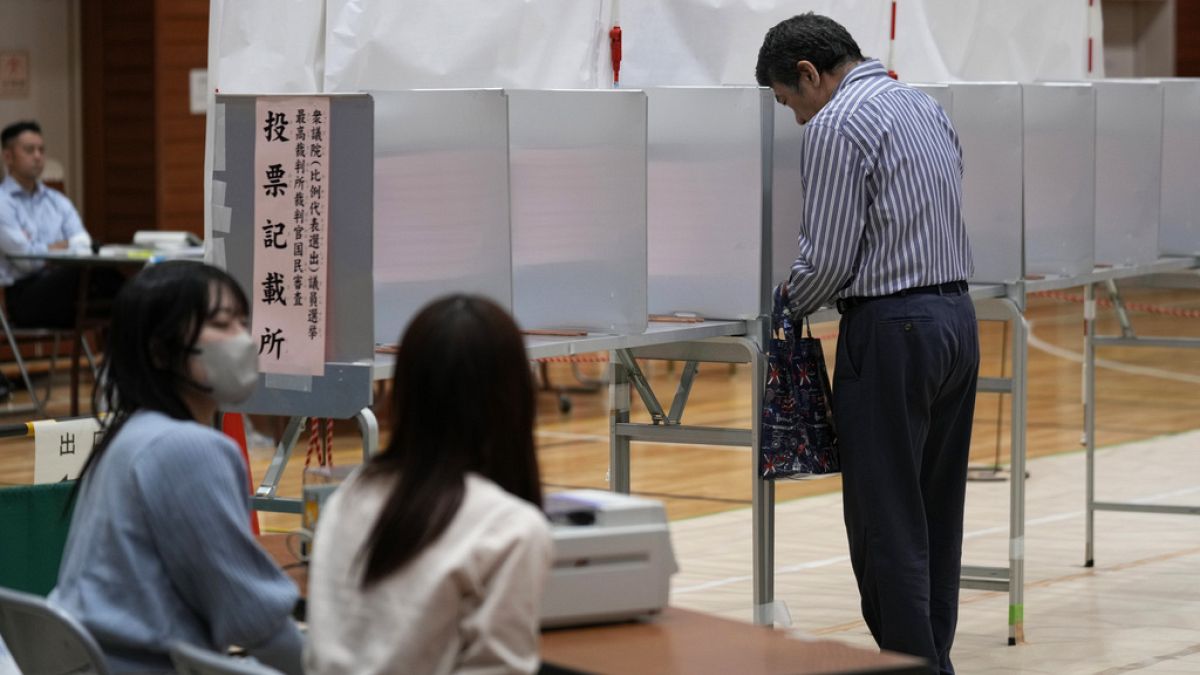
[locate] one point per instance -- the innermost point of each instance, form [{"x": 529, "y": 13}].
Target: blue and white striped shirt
[{"x": 881, "y": 170}]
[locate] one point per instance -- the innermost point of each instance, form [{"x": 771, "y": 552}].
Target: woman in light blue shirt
[{"x": 160, "y": 548}]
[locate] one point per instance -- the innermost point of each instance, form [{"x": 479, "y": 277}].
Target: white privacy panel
[
  {"x": 987, "y": 117},
  {"x": 441, "y": 201},
  {"x": 578, "y": 170},
  {"x": 1129, "y": 127},
  {"x": 1060, "y": 158},
  {"x": 787, "y": 195},
  {"x": 1179, "y": 225},
  {"x": 940, "y": 93},
  {"x": 707, "y": 184}
]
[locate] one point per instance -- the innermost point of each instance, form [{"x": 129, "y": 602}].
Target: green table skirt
[{"x": 33, "y": 531}]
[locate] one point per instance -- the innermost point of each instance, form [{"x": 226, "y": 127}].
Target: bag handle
[{"x": 808, "y": 326}]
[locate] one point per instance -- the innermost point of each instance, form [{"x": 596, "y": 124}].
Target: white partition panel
[
  {"x": 1179, "y": 227},
  {"x": 987, "y": 116},
  {"x": 1129, "y": 127},
  {"x": 706, "y": 152},
  {"x": 441, "y": 201},
  {"x": 1060, "y": 160},
  {"x": 940, "y": 93},
  {"x": 578, "y": 163},
  {"x": 787, "y": 197}
]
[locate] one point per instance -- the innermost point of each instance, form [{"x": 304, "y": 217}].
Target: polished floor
[{"x": 1138, "y": 610}]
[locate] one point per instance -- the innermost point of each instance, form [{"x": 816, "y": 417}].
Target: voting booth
[
  {"x": 1059, "y": 178},
  {"x": 708, "y": 180},
  {"x": 578, "y": 177},
  {"x": 1129, "y": 147},
  {"x": 1179, "y": 224},
  {"x": 441, "y": 213},
  {"x": 296, "y": 190}
]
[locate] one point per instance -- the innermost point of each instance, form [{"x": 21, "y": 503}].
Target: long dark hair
[
  {"x": 156, "y": 320},
  {"x": 462, "y": 400}
]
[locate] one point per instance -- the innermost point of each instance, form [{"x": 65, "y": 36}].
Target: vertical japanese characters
[{"x": 291, "y": 207}]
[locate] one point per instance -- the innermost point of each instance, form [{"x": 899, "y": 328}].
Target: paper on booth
[
  {"x": 61, "y": 447},
  {"x": 291, "y": 200}
]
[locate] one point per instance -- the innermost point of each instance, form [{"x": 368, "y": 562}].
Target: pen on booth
[{"x": 614, "y": 43}]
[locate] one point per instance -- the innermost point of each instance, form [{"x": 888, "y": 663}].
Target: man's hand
[{"x": 59, "y": 245}]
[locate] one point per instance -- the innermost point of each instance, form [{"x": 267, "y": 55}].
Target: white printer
[{"x": 612, "y": 558}]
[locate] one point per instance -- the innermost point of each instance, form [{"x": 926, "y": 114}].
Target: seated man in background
[{"x": 36, "y": 219}]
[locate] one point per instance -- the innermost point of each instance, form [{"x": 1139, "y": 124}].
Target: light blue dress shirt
[
  {"x": 160, "y": 550},
  {"x": 29, "y": 223}
]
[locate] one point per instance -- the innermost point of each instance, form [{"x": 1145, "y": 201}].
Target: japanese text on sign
[{"x": 291, "y": 238}]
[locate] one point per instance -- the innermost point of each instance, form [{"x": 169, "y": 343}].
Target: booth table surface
[
  {"x": 683, "y": 641},
  {"x": 679, "y": 641}
]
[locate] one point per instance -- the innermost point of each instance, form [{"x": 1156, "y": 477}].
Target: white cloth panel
[
  {"x": 441, "y": 201},
  {"x": 578, "y": 176},
  {"x": 705, "y": 200},
  {"x": 708, "y": 42},
  {"x": 409, "y": 44},
  {"x": 1021, "y": 40},
  {"x": 1129, "y": 119},
  {"x": 354, "y": 45},
  {"x": 1060, "y": 183},
  {"x": 987, "y": 117},
  {"x": 261, "y": 46},
  {"x": 1179, "y": 230},
  {"x": 702, "y": 42}
]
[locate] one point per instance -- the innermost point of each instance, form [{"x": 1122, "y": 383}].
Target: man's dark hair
[
  {"x": 807, "y": 37},
  {"x": 16, "y": 129}
]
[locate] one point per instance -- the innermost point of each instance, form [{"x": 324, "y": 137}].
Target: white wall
[{"x": 48, "y": 31}]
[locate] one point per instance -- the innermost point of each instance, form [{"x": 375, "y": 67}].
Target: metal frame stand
[
  {"x": 667, "y": 427},
  {"x": 1012, "y": 577},
  {"x": 265, "y": 498},
  {"x": 1127, "y": 338}
]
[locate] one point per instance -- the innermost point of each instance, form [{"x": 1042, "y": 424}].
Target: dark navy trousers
[{"x": 903, "y": 401}]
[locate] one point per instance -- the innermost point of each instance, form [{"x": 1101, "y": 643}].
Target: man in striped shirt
[{"x": 881, "y": 233}]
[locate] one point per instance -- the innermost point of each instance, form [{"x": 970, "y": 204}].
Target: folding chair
[
  {"x": 14, "y": 336},
  {"x": 44, "y": 639},
  {"x": 193, "y": 660}
]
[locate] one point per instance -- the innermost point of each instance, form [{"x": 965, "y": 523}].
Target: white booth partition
[
  {"x": 940, "y": 93},
  {"x": 709, "y": 223},
  {"x": 987, "y": 116},
  {"x": 578, "y": 169},
  {"x": 1129, "y": 133},
  {"x": 441, "y": 201},
  {"x": 1179, "y": 225},
  {"x": 787, "y": 196},
  {"x": 1060, "y": 159}
]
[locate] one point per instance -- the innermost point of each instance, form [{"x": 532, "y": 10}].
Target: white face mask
[{"x": 230, "y": 366}]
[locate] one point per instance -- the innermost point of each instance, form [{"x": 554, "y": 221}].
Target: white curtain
[{"x": 354, "y": 45}]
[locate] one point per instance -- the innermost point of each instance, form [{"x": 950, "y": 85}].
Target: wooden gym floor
[
  {"x": 1142, "y": 393},
  {"x": 1134, "y": 612}
]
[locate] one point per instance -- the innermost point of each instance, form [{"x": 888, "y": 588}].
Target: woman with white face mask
[{"x": 160, "y": 548}]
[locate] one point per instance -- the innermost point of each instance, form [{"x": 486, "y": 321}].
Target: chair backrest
[
  {"x": 45, "y": 639},
  {"x": 193, "y": 660}
]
